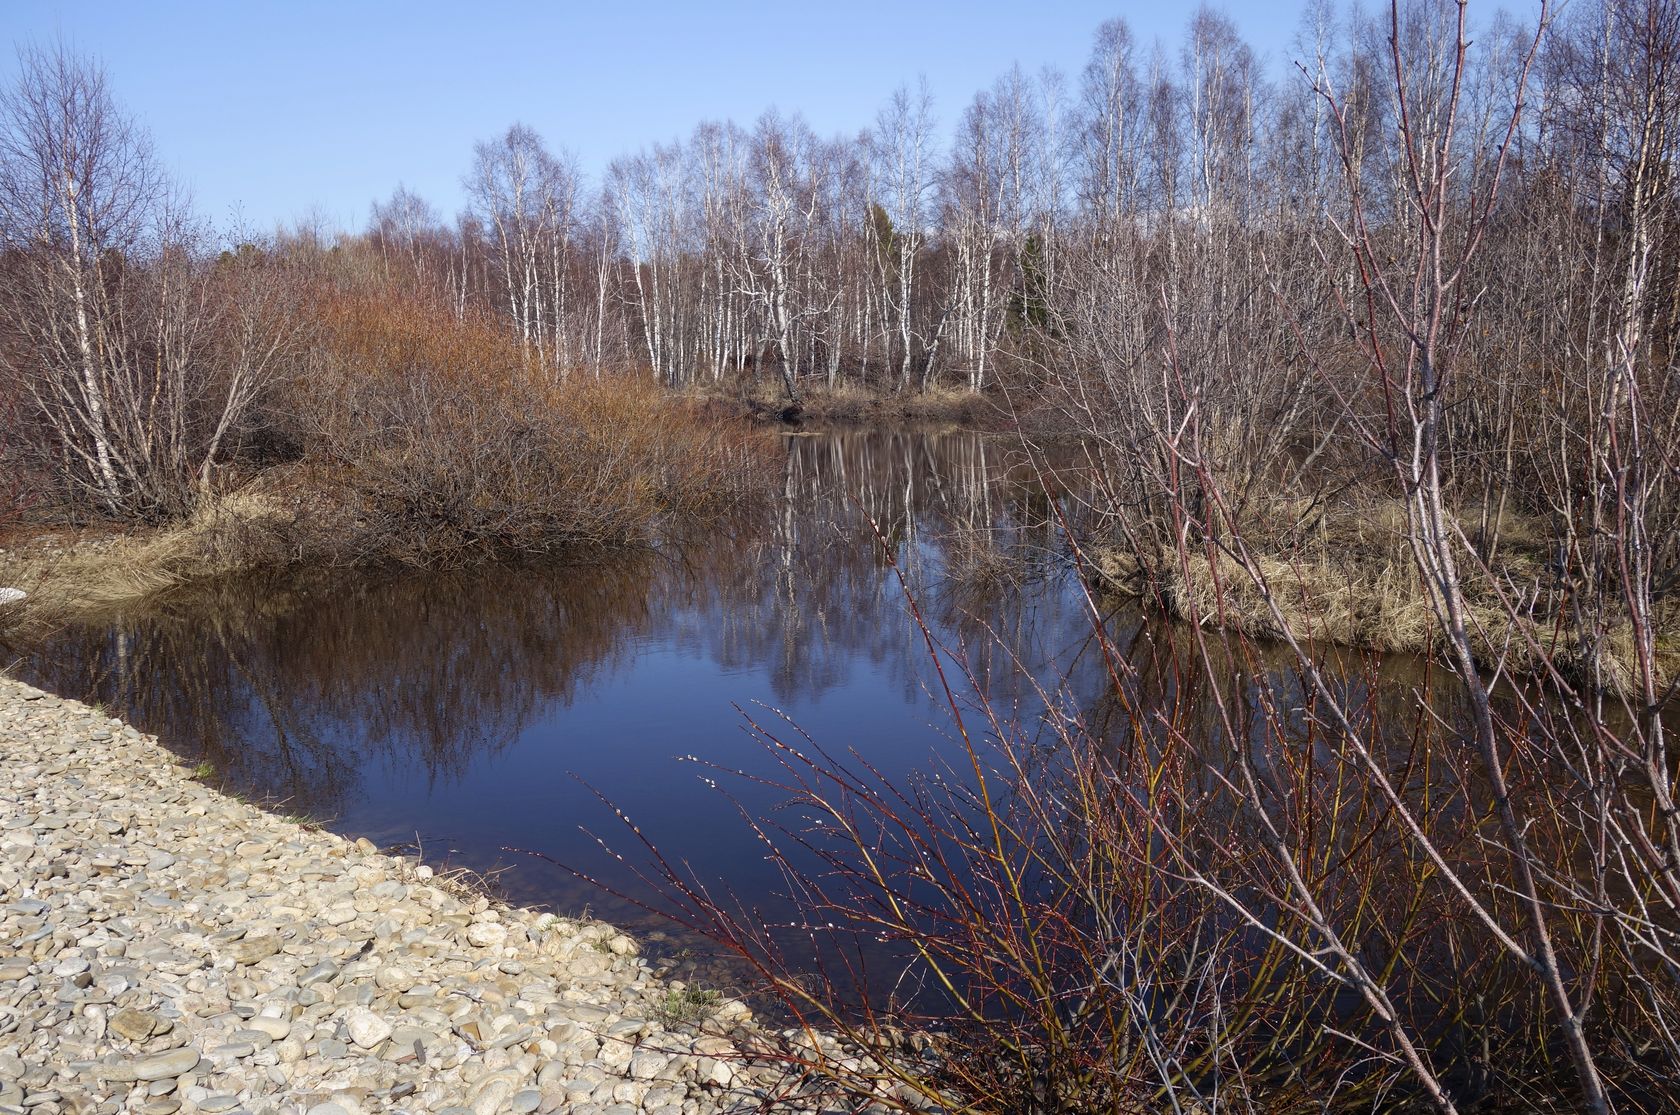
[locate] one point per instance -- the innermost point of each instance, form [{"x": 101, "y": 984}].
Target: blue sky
[{"x": 269, "y": 111}]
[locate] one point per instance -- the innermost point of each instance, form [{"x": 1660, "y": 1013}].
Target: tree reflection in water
[
  {"x": 453, "y": 709},
  {"x": 451, "y": 706}
]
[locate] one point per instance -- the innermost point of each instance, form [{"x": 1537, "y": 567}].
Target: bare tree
[
  {"x": 528, "y": 196},
  {"x": 78, "y": 193},
  {"x": 402, "y": 224},
  {"x": 141, "y": 355},
  {"x": 903, "y": 164}
]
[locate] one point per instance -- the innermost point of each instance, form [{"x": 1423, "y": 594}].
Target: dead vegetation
[
  {"x": 425, "y": 441},
  {"x": 1350, "y": 578},
  {"x": 848, "y": 403}
]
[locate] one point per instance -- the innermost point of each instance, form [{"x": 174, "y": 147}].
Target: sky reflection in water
[{"x": 476, "y": 712}]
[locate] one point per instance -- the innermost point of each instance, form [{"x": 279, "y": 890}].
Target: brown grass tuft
[{"x": 1349, "y": 578}]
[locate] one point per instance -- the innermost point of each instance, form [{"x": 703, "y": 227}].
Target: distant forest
[
  {"x": 1074, "y": 221},
  {"x": 1074, "y": 227}
]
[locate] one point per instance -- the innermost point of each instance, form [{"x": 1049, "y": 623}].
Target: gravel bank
[{"x": 165, "y": 948}]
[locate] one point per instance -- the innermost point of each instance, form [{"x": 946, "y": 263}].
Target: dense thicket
[
  {"x": 1188, "y": 189},
  {"x": 1377, "y": 350},
  {"x": 356, "y": 413},
  {"x": 1061, "y": 235},
  {"x": 1182, "y": 224},
  {"x": 1383, "y": 355}
]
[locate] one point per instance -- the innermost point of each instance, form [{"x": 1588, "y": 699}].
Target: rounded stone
[
  {"x": 275, "y": 1028},
  {"x": 161, "y": 1066},
  {"x": 394, "y": 978},
  {"x": 366, "y": 1028},
  {"x": 486, "y": 934}
]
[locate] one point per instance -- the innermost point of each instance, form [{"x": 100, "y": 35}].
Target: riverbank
[
  {"x": 66, "y": 574},
  {"x": 165, "y": 948},
  {"x": 289, "y": 521},
  {"x": 1355, "y": 584},
  {"x": 850, "y": 405}
]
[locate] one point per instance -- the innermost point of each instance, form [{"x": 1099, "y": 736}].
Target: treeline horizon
[
  {"x": 1072, "y": 224},
  {"x": 886, "y": 258}
]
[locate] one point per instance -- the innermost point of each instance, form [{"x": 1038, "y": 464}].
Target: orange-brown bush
[
  {"x": 404, "y": 434},
  {"x": 430, "y": 439}
]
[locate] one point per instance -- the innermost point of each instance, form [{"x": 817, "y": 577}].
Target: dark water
[{"x": 479, "y": 714}]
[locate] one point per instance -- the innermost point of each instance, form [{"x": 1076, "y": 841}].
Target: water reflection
[
  {"x": 479, "y": 711},
  {"x": 474, "y": 711}
]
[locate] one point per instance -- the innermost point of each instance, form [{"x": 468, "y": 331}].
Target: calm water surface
[{"x": 479, "y": 714}]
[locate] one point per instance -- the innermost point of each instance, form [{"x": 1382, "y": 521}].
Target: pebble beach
[{"x": 166, "y": 948}]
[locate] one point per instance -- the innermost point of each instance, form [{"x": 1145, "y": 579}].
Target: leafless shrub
[
  {"x": 139, "y": 357},
  {"x": 429, "y": 442},
  {"x": 1278, "y": 886}
]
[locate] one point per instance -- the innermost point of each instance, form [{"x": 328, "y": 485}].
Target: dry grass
[
  {"x": 1349, "y": 578},
  {"x": 83, "y": 581},
  {"x": 976, "y": 558},
  {"x": 424, "y": 441},
  {"x": 849, "y": 403}
]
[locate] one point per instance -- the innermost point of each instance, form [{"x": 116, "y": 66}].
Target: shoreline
[
  {"x": 851, "y": 407},
  {"x": 166, "y": 948},
  {"x": 1369, "y": 606}
]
